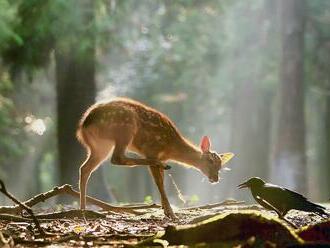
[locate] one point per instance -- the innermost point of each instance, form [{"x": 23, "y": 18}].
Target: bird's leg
[
  {"x": 289, "y": 222},
  {"x": 281, "y": 216},
  {"x": 279, "y": 213}
]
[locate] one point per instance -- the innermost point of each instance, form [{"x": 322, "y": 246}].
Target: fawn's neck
[{"x": 186, "y": 153}]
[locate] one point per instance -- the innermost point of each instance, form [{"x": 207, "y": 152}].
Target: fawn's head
[{"x": 211, "y": 162}]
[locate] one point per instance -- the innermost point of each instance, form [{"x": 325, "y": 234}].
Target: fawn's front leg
[
  {"x": 132, "y": 162},
  {"x": 158, "y": 176},
  {"x": 119, "y": 156}
]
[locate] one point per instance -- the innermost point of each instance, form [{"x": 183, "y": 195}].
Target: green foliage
[
  {"x": 7, "y": 20},
  {"x": 148, "y": 199},
  {"x": 42, "y": 26},
  {"x": 193, "y": 200},
  {"x": 47, "y": 171},
  {"x": 11, "y": 127},
  {"x": 32, "y": 43},
  {"x": 5, "y": 83}
]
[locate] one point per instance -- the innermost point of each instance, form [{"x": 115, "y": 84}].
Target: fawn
[{"x": 124, "y": 124}]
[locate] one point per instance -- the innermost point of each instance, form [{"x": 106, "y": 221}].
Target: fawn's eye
[
  {"x": 210, "y": 159},
  {"x": 214, "y": 156}
]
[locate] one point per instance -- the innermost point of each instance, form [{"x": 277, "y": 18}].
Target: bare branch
[{"x": 23, "y": 206}]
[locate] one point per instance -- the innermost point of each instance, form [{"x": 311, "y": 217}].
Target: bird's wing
[
  {"x": 275, "y": 195},
  {"x": 285, "y": 199},
  {"x": 299, "y": 202},
  {"x": 266, "y": 204},
  {"x": 295, "y": 195},
  {"x": 278, "y": 190}
]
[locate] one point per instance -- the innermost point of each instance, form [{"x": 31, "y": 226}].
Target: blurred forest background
[{"x": 253, "y": 75}]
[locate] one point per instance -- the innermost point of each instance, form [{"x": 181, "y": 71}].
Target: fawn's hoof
[
  {"x": 167, "y": 167},
  {"x": 171, "y": 216}
]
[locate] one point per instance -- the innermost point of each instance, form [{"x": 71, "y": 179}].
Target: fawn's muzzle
[{"x": 214, "y": 179}]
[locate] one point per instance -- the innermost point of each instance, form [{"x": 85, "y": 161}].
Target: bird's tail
[{"x": 318, "y": 209}]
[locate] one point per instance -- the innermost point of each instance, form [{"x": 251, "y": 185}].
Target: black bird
[{"x": 279, "y": 199}]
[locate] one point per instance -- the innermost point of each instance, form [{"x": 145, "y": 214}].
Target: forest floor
[{"x": 226, "y": 224}]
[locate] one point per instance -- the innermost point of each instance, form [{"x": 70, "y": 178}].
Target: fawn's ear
[
  {"x": 205, "y": 144},
  {"x": 225, "y": 157}
]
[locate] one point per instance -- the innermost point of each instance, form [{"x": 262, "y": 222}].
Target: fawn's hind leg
[{"x": 95, "y": 157}]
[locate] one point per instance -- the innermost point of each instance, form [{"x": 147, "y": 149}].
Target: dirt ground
[{"x": 112, "y": 229}]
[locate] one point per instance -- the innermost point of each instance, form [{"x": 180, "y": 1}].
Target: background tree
[
  {"x": 253, "y": 90},
  {"x": 317, "y": 64},
  {"x": 289, "y": 159},
  {"x": 75, "y": 78},
  {"x": 75, "y": 67}
]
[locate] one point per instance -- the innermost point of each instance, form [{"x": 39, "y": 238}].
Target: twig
[
  {"x": 35, "y": 200},
  {"x": 10, "y": 209},
  {"x": 89, "y": 237},
  {"x": 14, "y": 218},
  {"x": 105, "y": 206},
  {"x": 141, "y": 206},
  {"x": 66, "y": 189},
  {"x": 72, "y": 214},
  {"x": 36, "y": 243},
  {"x": 45, "y": 196},
  {"x": 23, "y": 206},
  {"x": 209, "y": 206},
  {"x": 177, "y": 189}
]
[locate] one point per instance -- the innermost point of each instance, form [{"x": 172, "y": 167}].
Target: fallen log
[
  {"x": 230, "y": 228},
  {"x": 319, "y": 232}
]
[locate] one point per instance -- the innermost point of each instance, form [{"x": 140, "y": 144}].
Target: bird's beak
[{"x": 243, "y": 185}]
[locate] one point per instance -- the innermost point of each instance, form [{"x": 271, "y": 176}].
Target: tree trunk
[
  {"x": 76, "y": 90},
  {"x": 289, "y": 161},
  {"x": 325, "y": 170},
  {"x": 251, "y": 125},
  {"x": 253, "y": 95}
]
